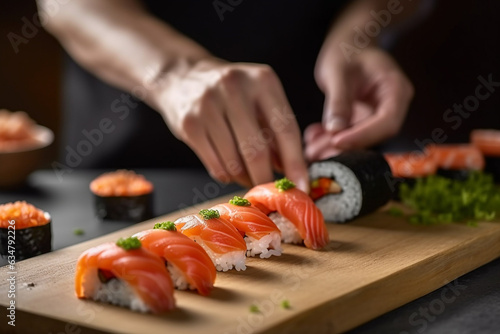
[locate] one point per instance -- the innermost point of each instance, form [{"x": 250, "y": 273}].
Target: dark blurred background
[{"x": 443, "y": 56}]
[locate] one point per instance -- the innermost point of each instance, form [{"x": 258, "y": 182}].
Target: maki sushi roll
[
  {"x": 261, "y": 235},
  {"x": 293, "y": 211},
  {"x": 188, "y": 264},
  {"x": 221, "y": 240},
  {"x": 456, "y": 161},
  {"x": 125, "y": 274},
  {"x": 123, "y": 195},
  {"x": 25, "y": 231},
  {"x": 488, "y": 142},
  {"x": 351, "y": 184}
]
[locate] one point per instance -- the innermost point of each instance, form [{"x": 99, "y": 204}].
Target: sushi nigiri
[
  {"x": 293, "y": 211},
  {"x": 411, "y": 164},
  {"x": 125, "y": 274},
  {"x": 456, "y": 160},
  {"x": 188, "y": 264},
  {"x": 221, "y": 240},
  {"x": 407, "y": 167},
  {"x": 261, "y": 235}
]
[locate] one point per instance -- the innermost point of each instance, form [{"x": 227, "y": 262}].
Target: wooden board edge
[
  {"x": 355, "y": 309},
  {"x": 26, "y": 322}
]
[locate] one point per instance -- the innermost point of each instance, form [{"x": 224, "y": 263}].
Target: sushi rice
[
  {"x": 289, "y": 233},
  {"x": 115, "y": 291},
  {"x": 265, "y": 247},
  {"x": 345, "y": 205},
  {"x": 224, "y": 262},
  {"x": 178, "y": 278}
]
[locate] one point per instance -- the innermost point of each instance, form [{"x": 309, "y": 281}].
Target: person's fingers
[
  {"x": 314, "y": 149},
  {"x": 337, "y": 110},
  {"x": 390, "y": 110},
  {"x": 201, "y": 144},
  {"x": 226, "y": 148},
  {"x": 251, "y": 138},
  {"x": 329, "y": 152},
  {"x": 312, "y": 132},
  {"x": 278, "y": 114}
]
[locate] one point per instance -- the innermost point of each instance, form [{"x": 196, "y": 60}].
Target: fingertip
[
  {"x": 312, "y": 132},
  {"x": 303, "y": 184},
  {"x": 335, "y": 124},
  {"x": 342, "y": 143},
  {"x": 220, "y": 176}
]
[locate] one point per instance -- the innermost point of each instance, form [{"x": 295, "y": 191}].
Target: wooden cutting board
[{"x": 371, "y": 266}]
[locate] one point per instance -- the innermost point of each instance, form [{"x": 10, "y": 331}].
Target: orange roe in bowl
[
  {"x": 24, "y": 214},
  {"x": 121, "y": 183}
]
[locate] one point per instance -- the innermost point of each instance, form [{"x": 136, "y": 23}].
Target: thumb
[{"x": 337, "y": 110}]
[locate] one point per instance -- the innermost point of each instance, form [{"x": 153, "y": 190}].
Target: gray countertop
[{"x": 470, "y": 304}]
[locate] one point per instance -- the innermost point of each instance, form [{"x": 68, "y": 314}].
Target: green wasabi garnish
[
  {"x": 209, "y": 214},
  {"x": 284, "y": 184},
  {"x": 396, "y": 212},
  {"x": 129, "y": 243},
  {"x": 240, "y": 201},
  {"x": 169, "y": 226},
  {"x": 254, "y": 308},
  {"x": 78, "y": 231},
  {"x": 440, "y": 200},
  {"x": 285, "y": 304}
]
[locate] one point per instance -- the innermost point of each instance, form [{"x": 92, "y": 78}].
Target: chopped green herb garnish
[
  {"x": 209, "y": 214},
  {"x": 284, "y": 184},
  {"x": 285, "y": 304},
  {"x": 472, "y": 223},
  {"x": 254, "y": 308},
  {"x": 169, "y": 226},
  {"x": 79, "y": 231},
  {"x": 439, "y": 200},
  {"x": 240, "y": 201},
  {"x": 396, "y": 212},
  {"x": 129, "y": 243}
]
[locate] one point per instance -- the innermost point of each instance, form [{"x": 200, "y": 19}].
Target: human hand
[
  {"x": 366, "y": 101},
  {"x": 237, "y": 119}
]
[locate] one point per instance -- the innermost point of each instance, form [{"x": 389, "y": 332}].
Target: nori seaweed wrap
[
  {"x": 365, "y": 184},
  {"x": 127, "y": 208},
  {"x": 26, "y": 229},
  {"x": 123, "y": 195}
]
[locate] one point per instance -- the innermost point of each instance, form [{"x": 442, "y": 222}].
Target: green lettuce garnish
[{"x": 441, "y": 200}]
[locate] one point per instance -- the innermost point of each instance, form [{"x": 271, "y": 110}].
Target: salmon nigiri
[
  {"x": 457, "y": 156},
  {"x": 261, "y": 235},
  {"x": 293, "y": 211},
  {"x": 411, "y": 165},
  {"x": 125, "y": 274},
  {"x": 487, "y": 141},
  {"x": 221, "y": 240},
  {"x": 189, "y": 265}
]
